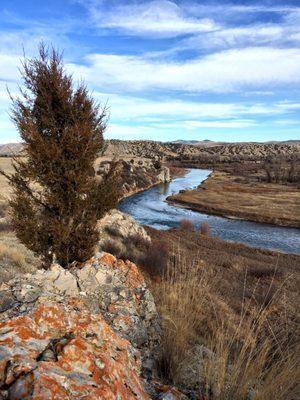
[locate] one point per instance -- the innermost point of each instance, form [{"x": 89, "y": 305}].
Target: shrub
[
  {"x": 205, "y": 228},
  {"x": 264, "y": 272},
  {"x": 112, "y": 230},
  {"x": 112, "y": 247},
  {"x": 3, "y": 209},
  {"x": 186, "y": 225},
  {"x": 62, "y": 130},
  {"x": 13, "y": 255},
  {"x": 5, "y": 225},
  {"x": 138, "y": 241},
  {"x": 157, "y": 164},
  {"x": 155, "y": 257}
]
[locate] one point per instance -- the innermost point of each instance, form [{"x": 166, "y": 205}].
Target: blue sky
[{"x": 169, "y": 70}]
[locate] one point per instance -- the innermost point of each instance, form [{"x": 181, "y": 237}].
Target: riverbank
[{"x": 231, "y": 196}]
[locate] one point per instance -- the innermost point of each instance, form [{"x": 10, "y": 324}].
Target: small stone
[{"x": 6, "y": 301}]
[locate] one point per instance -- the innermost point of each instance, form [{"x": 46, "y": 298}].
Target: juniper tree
[{"x": 57, "y": 199}]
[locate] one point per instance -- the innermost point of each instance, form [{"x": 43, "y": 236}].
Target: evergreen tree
[{"x": 57, "y": 198}]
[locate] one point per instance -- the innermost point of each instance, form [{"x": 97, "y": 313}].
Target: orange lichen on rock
[
  {"x": 67, "y": 359},
  {"x": 134, "y": 277}
]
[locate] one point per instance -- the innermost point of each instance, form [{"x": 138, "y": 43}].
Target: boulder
[
  {"x": 62, "y": 351},
  {"x": 90, "y": 331},
  {"x": 117, "y": 290},
  {"x": 120, "y": 225}
]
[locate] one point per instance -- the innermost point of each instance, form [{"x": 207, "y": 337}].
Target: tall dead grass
[
  {"x": 244, "y": 358},
  {"x": 14, "y": 255}
]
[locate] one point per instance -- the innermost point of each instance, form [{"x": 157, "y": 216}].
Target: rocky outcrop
[
  {"x": 135, "y": 175},
  {"x": 164, "y": 175},
  {"x": 89, "y": 332},
  {"x": 62, "y": 351},
  {"x": 119, "y": 224}
]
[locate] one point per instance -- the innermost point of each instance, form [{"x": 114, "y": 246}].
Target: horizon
[{"x": 170, "y": 70}]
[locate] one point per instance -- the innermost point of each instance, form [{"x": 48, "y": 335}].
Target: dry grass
[
  {"x": 15, "y": 259},
  {"x": 180, "y": 297},
  {"x": 243, "y": 357},
  {"x": 6, "y": 166},
  {"x": 205, "y": 228},
  {"x": 186, "y": 225},
  {"x": 15, "y": 255},
  {"x": 227, "y": 195}
]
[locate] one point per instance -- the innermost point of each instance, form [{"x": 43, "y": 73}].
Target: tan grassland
[{"x": 232, "y": 196}]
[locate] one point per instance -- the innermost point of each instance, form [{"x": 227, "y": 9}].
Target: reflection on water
[{"x": 150, "y": 208}]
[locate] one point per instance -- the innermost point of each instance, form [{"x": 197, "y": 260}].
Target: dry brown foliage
[
  {"x": 205, "y": 228},
  {"x": 186, "y": 225}
]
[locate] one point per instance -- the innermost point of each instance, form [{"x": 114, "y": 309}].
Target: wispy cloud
[
  {"x": 158, "y": 18},
  {"x": 167, "y": 66},
  {"x": 216, "y": 25},
  {"x": 228, "y": 71},
  {"x": 153, "y": 110}
]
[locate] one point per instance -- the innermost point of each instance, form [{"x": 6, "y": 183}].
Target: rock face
[
  {"x": 121, "y": 226},
  {"x": 152, "y": 149},
  {"x": 135, "y": 174},
  {"x": 61, "y": 351},
  {"x": 164, "y": 175},
  {"x": 122, "y": 236},
  {"x": 86, "y": 333}
]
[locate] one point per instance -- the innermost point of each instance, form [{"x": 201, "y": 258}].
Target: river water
[{"x": 150, "y": 208}]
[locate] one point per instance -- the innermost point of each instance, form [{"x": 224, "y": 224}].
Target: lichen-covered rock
[
  {"x": 118, "y": 290},
  {"x": 45, "y": 310},
  {"x": 62, "y": 351}
]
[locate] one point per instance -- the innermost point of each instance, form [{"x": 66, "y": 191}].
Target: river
[{"x": 150, "y": 208}]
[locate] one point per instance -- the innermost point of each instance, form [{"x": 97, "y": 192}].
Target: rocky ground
[{"x": 90, "y": 332}]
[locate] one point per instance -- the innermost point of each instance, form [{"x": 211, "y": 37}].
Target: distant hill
[
  {"x": 183, "y": 148},
  {"x": 186, "y": 141},
  {"x": 10, "y": 149}
]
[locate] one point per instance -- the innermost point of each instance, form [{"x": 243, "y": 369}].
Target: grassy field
[
  {"x": 6, "y": 166},
  {"x": 236, "y": 307},
  {"x": 234, "y": 196}
]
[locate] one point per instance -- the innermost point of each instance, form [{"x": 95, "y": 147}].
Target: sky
[{"x": 168, "y": 69}]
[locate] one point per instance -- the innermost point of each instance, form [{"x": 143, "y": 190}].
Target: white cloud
[
  {"x": 287, "y": 122},
  {"x": 207, "y": 26},
  {"x": 232, "y": 124},
  {"x": 130, "y": 108},
  {"x": 158, "y": 18},
  {"x": 285, "y": 32},
  {"x": 227, "y": 71},
  {"x": 9, "y": 67}
]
